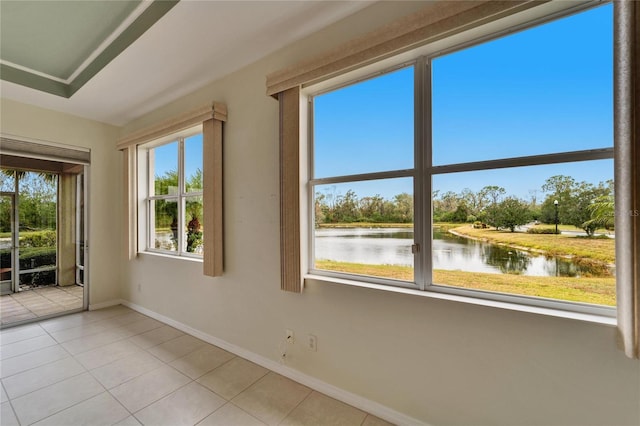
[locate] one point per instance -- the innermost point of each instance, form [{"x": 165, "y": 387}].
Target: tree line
[
  {"x": 581, "y": 204},
  {"x": 166, "y": 211},
  {"x": 348, "y": 208},
  {"x": 37, "y": 200}
]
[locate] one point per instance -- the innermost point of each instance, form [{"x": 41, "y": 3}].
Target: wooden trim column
[
  {"x": 129, "y": 202},
  {"x": 627, "y": 171},
  {"x": 67, "y": 230},
  {"x": 290, "y": 266},
  {"x": 212, "y": 198}
]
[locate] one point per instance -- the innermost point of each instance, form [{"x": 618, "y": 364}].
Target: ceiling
[{"x": 113, "y": 61}]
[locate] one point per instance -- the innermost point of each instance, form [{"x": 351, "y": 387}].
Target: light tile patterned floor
[
  {"x": 117, "y": 367},
  {"x": 39, "y": 302}
]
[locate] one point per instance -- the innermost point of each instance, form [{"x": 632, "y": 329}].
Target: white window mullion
[
  {"x": 422, "y": 187},
  {"x": 182, "y": 223},
  {"x": 181, "y": 200},
  {"x": 311, "y": 252},
  {"x": 427, "y": 177},
  {"x": 151, "y": 220}
]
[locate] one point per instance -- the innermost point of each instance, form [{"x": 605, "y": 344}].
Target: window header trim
[
  {"x": 438, "y": 20},
  {"x": 215, "y": 110}
]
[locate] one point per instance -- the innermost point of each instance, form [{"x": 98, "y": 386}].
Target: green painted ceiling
[{"x": 55, "y": 38}]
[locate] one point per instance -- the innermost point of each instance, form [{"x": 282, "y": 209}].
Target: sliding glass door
[
  {"x": 43, "y": 241},
  {"x": 8, "y": 243}
]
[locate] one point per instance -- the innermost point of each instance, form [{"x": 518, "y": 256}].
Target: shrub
[
  {"x": 38, "y": 278},
  {"x": 38, "y": 239},
  {"x": 31, "y": 258},
  {"x": 541, "y": 231},
  {"x": 35, "y": 257}
]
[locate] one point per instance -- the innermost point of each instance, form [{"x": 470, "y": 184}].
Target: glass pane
[
  {"x": 547, "y": 89},
  {"x": 37, "y": 279},
  {"x": 38, "y": 194},
  {"x": 164, "y": 224},
  {"x": 365, "y": 228},
  {"x": 80, "y": 229},
  {"x": 80, "y": 240},
  {"x": 496, "y": 231},
  {"x": 38, "y": 202},
  {"x": 5, "y": 241},
  {"x": 371, "y": 121},
  {"x": 7, "y": 180},
  {"x": 193, "y": 163},
  {"x": 194, "y": 225},
  {"x": 165, "y": 169}
]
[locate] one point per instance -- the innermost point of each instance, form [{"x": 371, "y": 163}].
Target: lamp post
[{"x": 555, "y": 203}]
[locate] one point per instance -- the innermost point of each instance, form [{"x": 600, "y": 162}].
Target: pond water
[{"x": 392, "y": 246}]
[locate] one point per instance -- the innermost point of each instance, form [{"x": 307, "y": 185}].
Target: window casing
[
  {"x": 422, "y": 177},
  {"x": 173, "y": 190}
]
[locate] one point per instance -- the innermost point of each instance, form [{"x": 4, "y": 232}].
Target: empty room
[{"x": 320, "y": 212}]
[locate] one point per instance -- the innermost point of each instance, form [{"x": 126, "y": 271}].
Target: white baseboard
[
  {"x": 107, "y": 304},
  {"x": 357, "y": 401}
]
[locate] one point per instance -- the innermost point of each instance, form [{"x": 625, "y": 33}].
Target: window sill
[
  {"x": 578, "y": 316},
  {"x": 170, "y": 256}
]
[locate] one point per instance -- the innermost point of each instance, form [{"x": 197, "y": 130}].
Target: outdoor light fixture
[{"x": 555, "y": 203}]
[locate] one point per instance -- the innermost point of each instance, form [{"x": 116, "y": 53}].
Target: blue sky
[
  {"x": 166, "y": 156},
  {"x": 547, "y": 89}
]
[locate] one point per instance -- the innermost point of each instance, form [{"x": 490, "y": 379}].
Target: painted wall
[
  {"x": 36, "y": 123},
  {"x": 438, "y": 361}
]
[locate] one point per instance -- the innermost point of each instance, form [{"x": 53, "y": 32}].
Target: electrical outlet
[
  {"x": 312, "y": 343},
  {"x": 289, "y": 336}
]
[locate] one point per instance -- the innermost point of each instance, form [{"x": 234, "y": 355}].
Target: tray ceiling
[
  {"x": 114, "y": 61},
  {"x": 57, "y": 46},
  {"x": 66, "y": 55}
]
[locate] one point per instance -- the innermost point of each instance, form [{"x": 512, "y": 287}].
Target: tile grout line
[
  {"x": 103, "y": 389},
  {"x": 168, "y": 364},
  {"x": 246, "y": 412},
  {"x": 85, "y": 371},
  {"x": 311, "y": 391}
]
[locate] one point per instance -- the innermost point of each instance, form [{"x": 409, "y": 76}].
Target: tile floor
[
  {"x": 115, "y": 366},
  {"x": 39, "y": 302}
]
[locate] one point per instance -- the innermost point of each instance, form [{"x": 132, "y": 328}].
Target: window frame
[
  {"x": 361, "y": 177},
  {"x": 148, "y": 188},
  {"x": 423, "y": 169}
]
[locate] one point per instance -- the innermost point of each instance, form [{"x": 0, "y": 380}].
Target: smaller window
[{"x": 174, "y": 202}]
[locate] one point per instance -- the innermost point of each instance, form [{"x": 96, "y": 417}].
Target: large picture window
[
  {"x": 175, "y": 208},
  {"x": 484, "y": 170}
]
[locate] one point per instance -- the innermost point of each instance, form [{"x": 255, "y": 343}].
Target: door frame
[
  {"x": 14, "y": 249},
  {"x": 71, "y": 156}
]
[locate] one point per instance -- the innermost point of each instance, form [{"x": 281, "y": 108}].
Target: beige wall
[
  {"x": 36, "y": 123},
  {"x": 438, "y": 361}
]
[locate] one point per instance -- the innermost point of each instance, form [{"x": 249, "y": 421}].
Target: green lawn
[
  {"x": 365, "y": 225},
  {"x": 583, "y": 249},
  {"x": 595, "y": 251},
  {"x": 599, "y": 291}
]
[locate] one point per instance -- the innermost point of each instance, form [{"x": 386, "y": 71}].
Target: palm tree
[
  {"x": 602, "y": 212},
  {"x": 49, "y": 178}
]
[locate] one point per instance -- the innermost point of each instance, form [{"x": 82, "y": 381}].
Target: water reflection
[
  {"x": 392, "y": 246},
  {"x": 377, "y": 246}
]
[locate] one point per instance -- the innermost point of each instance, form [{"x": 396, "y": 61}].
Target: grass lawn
[
  {"x": 569, "y": 228},
  {"x": 365, "y": 225},
  {"x": 587, "y": 290},
  {"x": 585, "y": 249}
]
